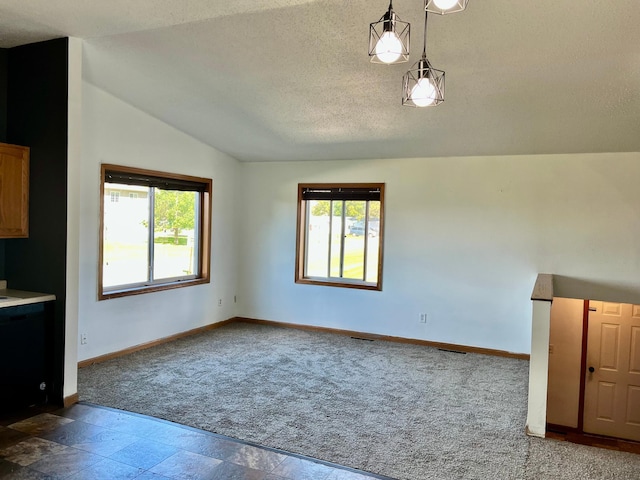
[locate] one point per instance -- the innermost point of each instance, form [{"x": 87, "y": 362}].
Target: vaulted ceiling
[{"x": 291, "y": 79}]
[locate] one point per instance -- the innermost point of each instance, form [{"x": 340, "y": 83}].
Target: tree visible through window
[
  {"x": 340, "y": 235},
  {"x": 157, "y": 235}
]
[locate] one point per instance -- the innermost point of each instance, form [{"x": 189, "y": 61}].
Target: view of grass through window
[
  {"x": 150, "y": 235},
  {"x": 338, "y": 245}
]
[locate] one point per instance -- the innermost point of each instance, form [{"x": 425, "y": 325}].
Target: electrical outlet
[
  {"x": 219, "y": 302},
  {"x": 423, "y": 318},
  {"x": 83, "y": 339}
]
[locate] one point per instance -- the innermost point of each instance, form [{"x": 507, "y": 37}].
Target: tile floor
[{"x": 91, "y": 442}]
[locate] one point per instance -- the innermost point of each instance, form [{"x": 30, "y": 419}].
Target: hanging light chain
[
  {"x": 423, "y": 63},
  {"x": 389, "y": 19},
  {"x": 424, "y": 43}
]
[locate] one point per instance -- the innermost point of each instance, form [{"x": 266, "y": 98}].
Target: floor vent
[{"x": 365, "y": 339}]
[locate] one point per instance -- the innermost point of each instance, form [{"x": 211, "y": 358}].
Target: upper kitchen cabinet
[{"x": 14, "y": 191}]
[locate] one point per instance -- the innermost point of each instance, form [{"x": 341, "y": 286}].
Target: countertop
[{"x": 15, "y": 298}]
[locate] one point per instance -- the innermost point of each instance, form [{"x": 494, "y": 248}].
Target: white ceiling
[{"x": 291, "y": 80}]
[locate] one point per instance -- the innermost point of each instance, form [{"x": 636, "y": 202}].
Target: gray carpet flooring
[{"x": 405, "y": 411}]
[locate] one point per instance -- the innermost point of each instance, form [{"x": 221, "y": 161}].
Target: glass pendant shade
[
  {"x": 443, "y": 7},
  {"x": 423, "y": 85},
  {"x": 389, "y": 39}
]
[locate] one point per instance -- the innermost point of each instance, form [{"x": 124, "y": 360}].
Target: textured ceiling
[{"x": 291, "y": 80}]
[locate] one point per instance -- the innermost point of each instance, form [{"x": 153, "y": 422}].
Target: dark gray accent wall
[
  {"x": 2, "y": 274},
  {"x": 4, "y": 54},
  {"x": 3, "y": 126},
  {"x": 37, "y": 118}
]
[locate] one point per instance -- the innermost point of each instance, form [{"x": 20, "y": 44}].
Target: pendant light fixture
[
  {"x": 442, "y": 7},
  {"x": 389, "y": 39},
  {"x": 423, "y": 85}
]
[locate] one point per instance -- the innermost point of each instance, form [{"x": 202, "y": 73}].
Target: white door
[{"x": 612, "y": 386}]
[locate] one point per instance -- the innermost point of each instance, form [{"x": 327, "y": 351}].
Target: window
[
  {"x": 340, "y": 234},
  {"x": 159, "y": 238}
]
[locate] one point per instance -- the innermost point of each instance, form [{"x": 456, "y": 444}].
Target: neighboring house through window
[
  {"x": 158, "y": 236},
  {"x": 340, "y": 235}
]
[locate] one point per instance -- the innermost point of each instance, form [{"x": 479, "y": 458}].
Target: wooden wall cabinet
[{"x": 14, "y": 191}]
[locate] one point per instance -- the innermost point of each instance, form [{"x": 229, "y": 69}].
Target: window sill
[
  {"x": 344, "y": 284},
  {"x": 139, "y": 290}
]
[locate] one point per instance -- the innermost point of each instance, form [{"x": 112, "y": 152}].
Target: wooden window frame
[
  {"x": 301, "y": 239},
  {"x": 204, "y": 243}
]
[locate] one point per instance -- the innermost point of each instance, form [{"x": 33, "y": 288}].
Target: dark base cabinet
[{"x": 25, "y": 355}]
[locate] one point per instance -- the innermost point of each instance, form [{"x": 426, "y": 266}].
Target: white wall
[
  {"x": 117, "y": 133},
  {"x": 538, "y": 369},
  {"x": 74, "y": 168},
  {"x": 465, "y": 239}
]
